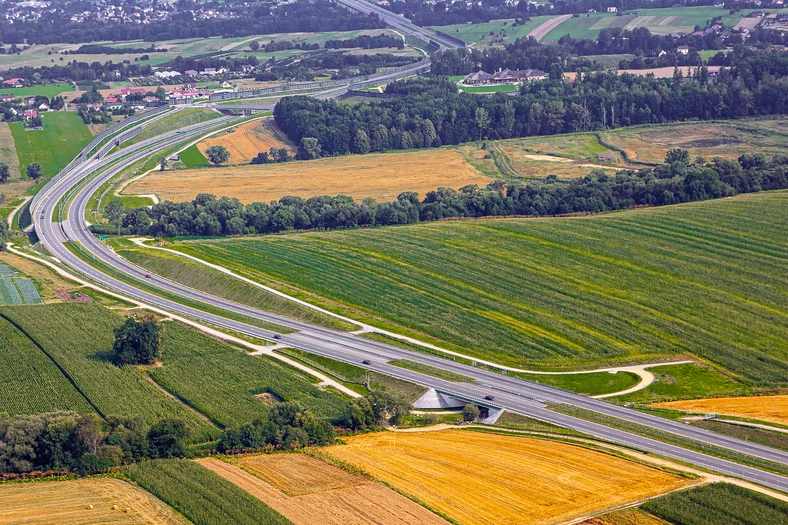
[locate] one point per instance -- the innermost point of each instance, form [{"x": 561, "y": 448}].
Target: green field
[
  {"x": 47, "y": 90},
  {"x": 589, "y": 384},
  {"x": 193, "y": 158},
  {"x": 221, "y": 381},
  {"x": 29, "y": 381},
  {"x": 701, "y": 279},
  {"x": 502, "y": 29},
  {"x": 718, "y": 504},
  {"x": 63, "y": 137},
  {"x": 178, "y": 120},
  {"x": 686, "y": 381},
  {"x": 134, "y": 201},
  {"x": 503, "y": 88},
  {"x": 204, "y": 497},
  {"x": 78, "y": 338}
]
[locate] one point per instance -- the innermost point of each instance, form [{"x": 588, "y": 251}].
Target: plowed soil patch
[
  {"x": 478, "y": 478},
  {"x": 382, "y": 176},
  {"x": 765, "y": 408},
  {"x": 358, "y": 502},
  {"x": 68, "y": 502},
  {"x": 247, "y": 140}
]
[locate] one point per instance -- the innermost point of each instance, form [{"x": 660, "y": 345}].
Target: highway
[{"x": 510, "y": 393}]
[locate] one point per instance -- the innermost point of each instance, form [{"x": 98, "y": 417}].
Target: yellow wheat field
[
  {"x": 308, "y": 491},
  {"x": 481, "y": 479},
  {"x": 625, "y": 517},
  {"x": 382, "y": 176},
  {"x": 765, "y": 408},
  {"x": 67, "y": 503},
  {"x": 247, "y": 140}
]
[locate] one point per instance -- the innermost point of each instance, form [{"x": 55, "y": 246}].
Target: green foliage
[
  {"x": 172, "y": 122},
  {"x": 166, "y": 438},
  {"x": 365, "y": 413},
  {"x": 700, "y": 279},
  {"x": 137, "y": 342},
  {"x": 470, "y": 412},
  {"x": 192, "y": 157},
  {"x": 63, "y": 137},
  {"x": 5, "y": 172},
  {"x": 432, "y": 371},
  {"x": 718, "y": 504},
  {"x": 309, "y": 148},
  {"x": 202, "y": 496},
  {"x": 231, "y": 401},
  {"x": 687, "y": 381},
  {"x": 78, "y": 337},
  {"x": 217, "y": 154},
  {"x": 33, "y": 171},
  {"x": 589, "y": 384}
]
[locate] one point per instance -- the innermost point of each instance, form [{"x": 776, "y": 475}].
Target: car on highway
[
  {"x": 489, "y": 398},
  {"x": 147, "y": 276},
  {"x": 365, "y": 362},
  {"x": 277, "y": 336}
]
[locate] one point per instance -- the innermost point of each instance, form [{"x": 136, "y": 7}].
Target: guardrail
[{"x": 418, "y": 67}]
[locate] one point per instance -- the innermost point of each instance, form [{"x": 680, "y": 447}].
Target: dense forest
[
  {"x": 679, "y": 179},
  {"x": 429, "y": 112}
]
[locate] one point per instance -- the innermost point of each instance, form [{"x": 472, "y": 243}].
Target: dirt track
[{"x": 540, "y": 32}]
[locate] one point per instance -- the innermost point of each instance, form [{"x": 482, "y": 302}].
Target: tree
[
  {"x": 482, "y": 120},
  {"x": 361, "y": 142},
  {"x": 217, "y": 154},
  {"x": 5, "y": 172},
  {"x": 166, "y": 438},
  {"x": 309, "y": 148},
  {"x": 137, "y": 341},
  {"x": 163, "y": 165},
  {"x": 4, "y": 233},
  {"x": 470, "y": 412},
  {"x": 113, "y": 212},
  {"x": 33, "y": 171},
  {"x": 677, "y": 155},
  {"x": 254, "y": 46},
  {"x": 261, "y": 158}
]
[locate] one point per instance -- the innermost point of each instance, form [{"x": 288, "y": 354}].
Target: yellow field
[
  {"x": 382, "y": 176},
  {"x": 248, "y": 140},
  {"x": 67, "y": 503},
  {"x": 625, "y": 517},
  {"x": 308, "y": 491},
  {"x": 478, "y": 478},
  {"x": 7, "y": 150},
  {"x": 765, "y": 408}
]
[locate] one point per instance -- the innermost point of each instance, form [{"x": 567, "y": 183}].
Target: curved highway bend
[{"x": 513, "y": 394}]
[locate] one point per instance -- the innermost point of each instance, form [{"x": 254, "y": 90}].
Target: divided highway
[{"x": 524, "y": 397}]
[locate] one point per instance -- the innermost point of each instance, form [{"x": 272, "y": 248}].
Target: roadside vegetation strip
[
  {"x": 78, "y": 338},
  {"x": 175, "y": 121},
  {"x": 82, "y": 502},
  {"x": 559, "y": 292},
  {"x": 525, "y": 480},
  {"x": 30, "y": 382},
  {"x": 719, "y": 504},
  {"x": 590, "y": 384},
  {"x": 432, "y": 371},
  {"x": 62, "y": 138},
  {"x": 204, "y": 497}
]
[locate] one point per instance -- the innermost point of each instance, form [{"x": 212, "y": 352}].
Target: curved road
[{"x": 513, "y": 394}]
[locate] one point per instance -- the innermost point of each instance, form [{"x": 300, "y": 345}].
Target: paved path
[{"x": 540, "y": 32}]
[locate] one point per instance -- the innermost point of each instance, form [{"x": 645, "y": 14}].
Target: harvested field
[
  {"x": 765, "y": 408},
  {"x": 527, "y": 480},
  {"x": 540, "y": 32},
  {"x": 319, "y": 493},
  {"x": 7, "y": 150},
  {"x": 382, "y": 176},
  {"x": 625, "y": 517},
  {"x": 67, "y": 503},
  {"x": 248, "y": 140}
]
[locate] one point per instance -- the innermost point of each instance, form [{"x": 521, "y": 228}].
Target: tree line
[
  {"x": 680, "y": 179},
  {"x": 431, "y": 113},
  {"x": 366, "y": 42}
]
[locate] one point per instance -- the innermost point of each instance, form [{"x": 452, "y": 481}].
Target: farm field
[
  {"x": 228, "y": 396},
  {"x": 309, "y": 491},
  {"x": 193, "y": 158},
  {"x": 64, "y": 135},
  {"x": 625, "y": 517},
  {"x": 201, "y": 495},
  {"x": 7, "y": 150},
  {"x": 687, "y": 381},
  {"x": 527, "y": 480},
  {"x": 15, "y": 289},
  {"x": 67, "y": 503},
  {"x": 382, "y": 176},
  {"x": 30, "y": 382},
  {"x": 504, "y": 31},
  {"x": 247, "y": 140},
  {"x": 771, "y": 408},
  {"x": 47, "y": 90},
  {"x": 718, "y": 504},
  {"x": 697, "y": 279},
  {"x": 78, "y": 337},
  {"x": 181, "y": 119}
]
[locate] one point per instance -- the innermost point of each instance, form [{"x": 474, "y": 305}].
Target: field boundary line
[{"x": 542, "y": 31}]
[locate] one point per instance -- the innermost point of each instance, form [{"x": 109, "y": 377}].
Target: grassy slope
[
  {"x": 63, "y": 136},
  {"x": 590, "y": 384},
  {"x": 221, "y": 381},
  {"x": 29, "y": 381},
  {"x": 201, "y": 495},
  {"x": 193, "y": 158},
  {"x": 79, "y": 337},
  {"x": 699, "y": 279},
  {"x": 178, "y": 120}
]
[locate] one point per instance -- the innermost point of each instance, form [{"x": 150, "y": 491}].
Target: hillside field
[
  {"x": 67, "y": 503},
  {"x": 772, "y": 408},
  {"x": 309, "y": 491},
  {"x": 525, "y": 480},
  {"x": 63, "y": 136},
  {"x": 382, "y": 176},
  {"x": 247, "y": 140},
  {"x": 8, "y": 152},
  {"x": 699, "y": 279}
]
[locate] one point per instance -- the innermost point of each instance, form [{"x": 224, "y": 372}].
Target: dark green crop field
[{"x": 706, "y": 279}]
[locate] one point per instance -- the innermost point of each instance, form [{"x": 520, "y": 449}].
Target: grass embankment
[
  {"x": 193, "y": 158},
  {"x": 590, "y": 384},
  {"x": 173, "y": 122},
  {"x": 63, "y": 136},
  {"x": 432, "y": 371},
  {"x": 700, "y": 279},
  {"x": 202, "y": 496}
]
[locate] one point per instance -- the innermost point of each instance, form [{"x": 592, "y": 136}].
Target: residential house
[
  {"x": 128, "y": 91},
  {"x": 14, "y": 82},
  {"x": 504, "y": 76},
  {"x": 684, "y": 50},
  {"x": 757, "y": 14},
  {"x": 209, "y": 71},
  {"x": 43, "y": 107},
  {"x": 111, "y": 100},
  {"x": 226, "y": 84},
  {"x": 246, "y": 68},
  {"x": 30, "y": 101},
  {"x": 7, "y": 98},
  {"x": 30, "y": 114},
  {"x": 190, "y": 73},
  {"x": 612, "y": 9},
  {"x": 479, "y": 77},
  {"x": 189, "y": 85}
]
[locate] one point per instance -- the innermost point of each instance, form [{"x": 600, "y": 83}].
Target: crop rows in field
[
  {"x": 701, "y": 279},
  {"x": 29, "y": 381},
  {"x": 79, "y": 337},
  {"x": 15, "y": 290},
  {"x": 221, "y": 381},
  {"x": 9, "y": 294},
  {"x": 771, "y": 408},
  {"x": 202, "y": 496},
  {"x": 247, "y": 140},
  {"x": 719, "y": 504}
]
